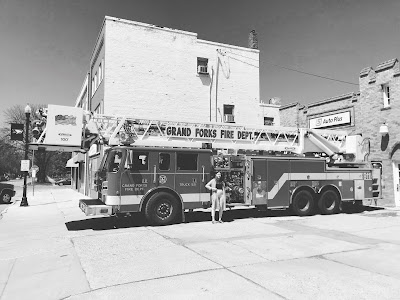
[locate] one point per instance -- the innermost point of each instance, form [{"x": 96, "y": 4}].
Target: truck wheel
[
  {"x": 161, "y": 209},
  {"x": 303, "y": 203},
  {"x": 6, "y": 197},
  {"x": 329, "y": 202}
]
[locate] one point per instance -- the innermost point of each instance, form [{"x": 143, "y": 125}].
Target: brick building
[
  {"x": 371, "y": 111},
  {"x": 153, "y": 72}
]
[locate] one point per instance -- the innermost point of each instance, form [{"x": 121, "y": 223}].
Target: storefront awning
[
  {"x": 48, "y": 147},
  {"x": 71, "y": 164},
  {"x": 78, "y": 158}
]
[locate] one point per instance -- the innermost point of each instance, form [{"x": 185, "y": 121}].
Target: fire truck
[{"x": 160, "y": 168}]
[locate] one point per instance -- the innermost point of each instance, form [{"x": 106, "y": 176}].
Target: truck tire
[
  {"x": 303, "y": 203},
  {"x": 161, "y": 209},
  {"x": 329, "y": 203},
  {"x": 6, "y": 197}
]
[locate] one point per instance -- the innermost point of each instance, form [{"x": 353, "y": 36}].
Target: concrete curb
[{"x": 8, "y": 207}]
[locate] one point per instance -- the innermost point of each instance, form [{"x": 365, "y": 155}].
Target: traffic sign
[
  {"x": 35, "y": 167},
  {"x": 25, "y": 165}
]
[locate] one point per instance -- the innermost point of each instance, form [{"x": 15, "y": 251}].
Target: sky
[{"x": 45, "y": 45}]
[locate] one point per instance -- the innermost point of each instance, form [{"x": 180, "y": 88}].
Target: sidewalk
[{"x": 37, "y": 258}]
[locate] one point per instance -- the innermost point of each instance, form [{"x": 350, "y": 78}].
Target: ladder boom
[{"x": 152, "y": 132}]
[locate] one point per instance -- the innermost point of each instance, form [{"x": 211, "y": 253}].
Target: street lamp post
[{"x": 28, "y": 110}]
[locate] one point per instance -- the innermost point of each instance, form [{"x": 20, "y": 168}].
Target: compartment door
[
  {"x": 259, "y": 182},
  {"x": 278, "y": 171}
]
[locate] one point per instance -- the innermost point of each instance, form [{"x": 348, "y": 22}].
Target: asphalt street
[{"x": 52, "y": 251}]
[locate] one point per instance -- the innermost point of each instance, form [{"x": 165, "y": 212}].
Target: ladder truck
[{"x": 160, "y": 167}]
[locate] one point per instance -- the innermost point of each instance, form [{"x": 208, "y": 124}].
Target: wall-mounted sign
[
  {"x": 330, "y": 120},
  {"x": 64, "y": 125},
  {"x": 25, "y": 165},
  {"x": 17, "y": 132}
]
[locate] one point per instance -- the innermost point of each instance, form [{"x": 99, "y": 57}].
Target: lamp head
[
  {"x": 384, "y": 129},
  {"x": 28, "y": 109}
]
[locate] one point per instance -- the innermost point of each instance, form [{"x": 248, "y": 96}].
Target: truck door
[
  {"x": 205, "y": 168},
  {"x": 188, "y": 178},
  {"x": 165, "y": 170},
  {"x": 278, "y": 182},
  {"x": 137, "y": 178}
]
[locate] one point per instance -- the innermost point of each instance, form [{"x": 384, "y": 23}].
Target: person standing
[{"x": 218, "y": 197}]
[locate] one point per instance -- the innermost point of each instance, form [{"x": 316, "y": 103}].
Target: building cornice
[
  {"x": 289, "y": 105},
  {"x": 333, "y": 99}
]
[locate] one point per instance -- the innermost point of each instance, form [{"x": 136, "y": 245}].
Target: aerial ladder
[
  {"x": 122, "y": 130},
  {"x": 113, "y": 130}
]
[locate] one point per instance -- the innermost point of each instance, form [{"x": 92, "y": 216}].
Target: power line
[
  {"x": 311, "y": 74},
  {"x": 298, "y": 71}
]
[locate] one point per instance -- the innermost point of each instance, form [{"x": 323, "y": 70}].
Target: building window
[
  {"x": 229, "y": 113},
  {"x": 100, "y": 73},
  {"x": 268, "y": 121},
  {"x": 386, "y": 95},
  {"x": 96, "y": 81},
  {"x": 202, "y": 65},
  {"x": 99, "y": 108},
  {"x": 93, "y": 87}
]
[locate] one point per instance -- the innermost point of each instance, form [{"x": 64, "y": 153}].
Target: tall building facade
[
  {"x": 155, "y": 72},
  {"x": 152, "y": 72},
  {"x": 372, "y": 111}
]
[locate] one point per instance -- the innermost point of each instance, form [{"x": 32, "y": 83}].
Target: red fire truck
[{"x": 160, "y": 167}]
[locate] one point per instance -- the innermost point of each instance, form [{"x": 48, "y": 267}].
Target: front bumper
[{"x": 94, "y": 207}]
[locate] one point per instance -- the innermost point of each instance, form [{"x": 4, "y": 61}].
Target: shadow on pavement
[
  {"x": 352, "y": 209},
  {"x": 107, "y": 223},
  {"x": 138, "y": 220}
]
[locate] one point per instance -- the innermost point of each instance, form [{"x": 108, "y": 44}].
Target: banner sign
[
  {"x": 206, "y": 132},
  {"x": 64, "y": 125},
  {"x": 198, "y": 132},
  {"x": 330, "y": 120},
  {"x": 17, "y": 132}
]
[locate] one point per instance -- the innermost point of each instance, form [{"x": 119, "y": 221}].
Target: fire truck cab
[{"x": 160, "y": 182}]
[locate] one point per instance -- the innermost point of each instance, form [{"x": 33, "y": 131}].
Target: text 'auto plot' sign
[
  {"x": 64, "y": 125},
  {"x": 330, "y": 120}
]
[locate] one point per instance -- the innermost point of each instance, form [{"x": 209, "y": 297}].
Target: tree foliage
[{"x": 50, "y": 163}]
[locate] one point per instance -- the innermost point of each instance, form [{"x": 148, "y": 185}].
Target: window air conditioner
[
  {"x": 202, "y": 70},
  {"x": 229, "y": 118}
]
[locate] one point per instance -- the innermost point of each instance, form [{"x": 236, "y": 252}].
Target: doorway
[{"x": 396, "y": 181}]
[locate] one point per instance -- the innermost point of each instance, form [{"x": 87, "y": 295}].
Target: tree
[
  {"x": 43, "y": 159},
  {"x": 10, "y": 159}
]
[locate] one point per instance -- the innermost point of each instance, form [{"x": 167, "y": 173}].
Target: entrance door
[{"x": 396, "y": 182}]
